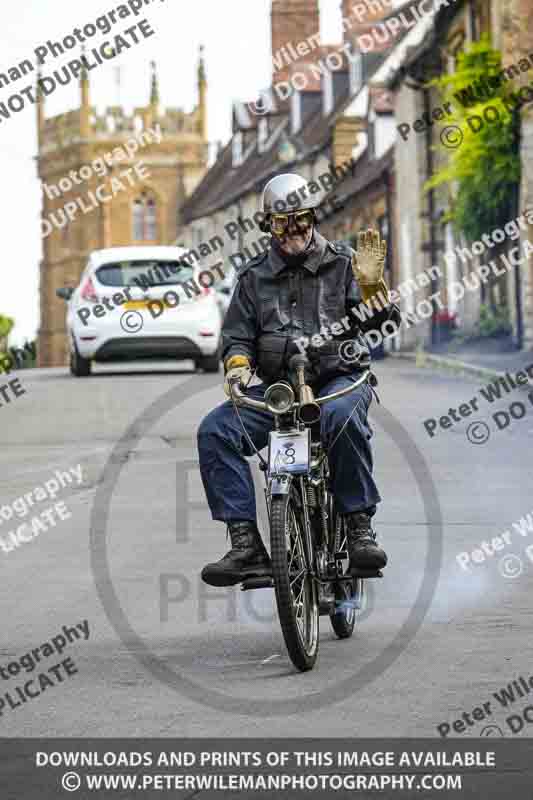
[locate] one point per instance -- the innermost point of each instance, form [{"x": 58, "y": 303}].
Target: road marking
[
  {"x": 276, "y": 655},
  {"x": 237, "y": 664}
]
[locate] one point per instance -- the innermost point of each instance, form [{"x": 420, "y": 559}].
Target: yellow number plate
[
  {"x": 134, "y": 304},
  {"x": 140, "y": 304}
]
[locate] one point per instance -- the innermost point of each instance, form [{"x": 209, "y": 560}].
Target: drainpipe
[
  {"x": 241, "y": 234},
  {"x": 390, "y": 229},
  {"x": 435, "y": 327},
  {"x": 517, "y": 273}
]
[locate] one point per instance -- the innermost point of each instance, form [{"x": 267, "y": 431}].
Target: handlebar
[{"x": 241, "y": 399}]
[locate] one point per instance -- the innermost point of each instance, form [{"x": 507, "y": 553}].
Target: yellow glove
[
  {"x": 368, "y": 264},
  {"x": 237, "y": 367}
]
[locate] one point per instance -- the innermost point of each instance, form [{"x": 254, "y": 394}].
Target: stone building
[
  {"x": 425, "y": 239},
  {"x": 350, "y": 112},
  {"x": 145, "y": 208},
  {"x": 516, "y": 41},
  {"x": 311, "y": 120}
]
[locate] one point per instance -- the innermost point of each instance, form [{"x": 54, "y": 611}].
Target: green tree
[
  {"x": 6, "y": 326},
  {"x": 485, "y": 167}
]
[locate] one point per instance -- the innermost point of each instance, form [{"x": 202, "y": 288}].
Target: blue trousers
[{"x": 223, "y": 449}]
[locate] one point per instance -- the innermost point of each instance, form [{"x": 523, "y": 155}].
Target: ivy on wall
[{"x": 485, "y": 167}]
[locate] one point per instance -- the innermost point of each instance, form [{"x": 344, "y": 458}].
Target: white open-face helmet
[{"x": 286, "y": 194}]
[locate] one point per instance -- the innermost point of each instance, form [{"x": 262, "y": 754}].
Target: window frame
[
  {"x": 237, "y": 149},
  {"x": 146, "y": 203},
  {"x": 356, "y": 72}
]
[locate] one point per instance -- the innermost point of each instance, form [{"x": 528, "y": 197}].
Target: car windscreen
[{"x": 144, "y": 273}]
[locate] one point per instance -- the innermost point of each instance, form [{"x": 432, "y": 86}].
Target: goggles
[{"x": 279, "y": 223}]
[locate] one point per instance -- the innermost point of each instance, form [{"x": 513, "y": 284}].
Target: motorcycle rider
[{"x": 301, "y": 286}]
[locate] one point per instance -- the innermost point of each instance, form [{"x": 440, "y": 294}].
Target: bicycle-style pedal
[
  {"x": 264, "y": 582},
  {"x": 360, "y": 572}
]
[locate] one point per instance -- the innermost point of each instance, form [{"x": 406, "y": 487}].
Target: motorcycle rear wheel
[{"x": 349, "y": 595}]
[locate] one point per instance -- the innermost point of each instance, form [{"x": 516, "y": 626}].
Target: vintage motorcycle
[{"x": 307, "y": 537}]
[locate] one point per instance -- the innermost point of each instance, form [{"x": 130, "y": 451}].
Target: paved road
[{"x": 226, "y": 645}]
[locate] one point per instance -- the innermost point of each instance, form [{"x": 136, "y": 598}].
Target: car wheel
[
  {"x": 79, "y": 366},
  {"x": 209, "y": 363}
]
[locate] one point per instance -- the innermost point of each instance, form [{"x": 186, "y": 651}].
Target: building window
[
  {"x": 65, "y": 237},
  {"x": 383, "y": 228},
  {"x": 485, "y": 19},
  {"x": 237, "y": 149},
  {"x": 262, "y": 135},
  {"x": 328, "y": 94},
  {"x": 296, "y": 112},
  {"x": 471, "y": 24},
  {"x": 371, "y": 130},
  {"x": 144, "y": 219},
  {"x": 356, "y": 72}
]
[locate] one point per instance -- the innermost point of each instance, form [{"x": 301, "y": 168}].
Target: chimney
[{"x": 295, "y": 35}]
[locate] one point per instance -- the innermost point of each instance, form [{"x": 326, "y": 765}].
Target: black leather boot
[
  {"x": 364, "y": 552},
  {"x": 247, "y": 558}
]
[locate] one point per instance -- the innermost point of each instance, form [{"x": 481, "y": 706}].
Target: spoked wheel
[
  {"x": 349, "y": 595},
  {"x": 296, "y": 591}
]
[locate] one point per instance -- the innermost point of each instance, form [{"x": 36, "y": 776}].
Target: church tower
[{"x": 84, "y": 158}]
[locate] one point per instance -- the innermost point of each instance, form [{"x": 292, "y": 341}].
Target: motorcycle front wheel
[{"x": 296, "y": 590}]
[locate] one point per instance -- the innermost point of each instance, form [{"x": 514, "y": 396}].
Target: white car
[
  {"x": 142, "y": 302},
  {"x": 224, "y": 290}
]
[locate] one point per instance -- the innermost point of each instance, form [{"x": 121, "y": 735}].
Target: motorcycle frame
[{"x": 280, "y": 483}]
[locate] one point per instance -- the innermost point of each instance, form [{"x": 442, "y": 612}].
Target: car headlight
[{"x": 279, "y": 398}]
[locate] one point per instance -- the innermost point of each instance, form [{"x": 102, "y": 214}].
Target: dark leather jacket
[{"x": 274, "y": 303}]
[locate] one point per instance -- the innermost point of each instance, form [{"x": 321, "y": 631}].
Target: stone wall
[{"x": 517, "y": 42}]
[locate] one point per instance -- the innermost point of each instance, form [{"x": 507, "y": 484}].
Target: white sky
[{"x": 236, "y": 36}]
